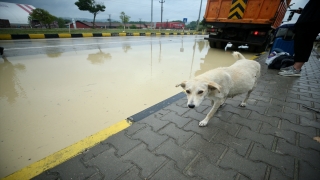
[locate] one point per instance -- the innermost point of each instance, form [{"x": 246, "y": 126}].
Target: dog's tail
[{"x": 238, "y": 55}]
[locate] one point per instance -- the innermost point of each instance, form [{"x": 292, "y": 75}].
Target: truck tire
[
  {"x": 219, "y": 45},
  {"x": 212, "y": 44}
]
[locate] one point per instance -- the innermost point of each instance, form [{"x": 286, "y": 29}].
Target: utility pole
[
  {"x": 151, "y": 13},
  {"x": 162, "y": 1},
  {"x": 199, "y": 16},
  {"x": 140, "y": 23},
  {"x": 167, "y": 24},
  {"x": 109, "y": 21}
]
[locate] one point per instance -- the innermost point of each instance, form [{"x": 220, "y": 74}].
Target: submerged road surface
[{"x": 55, "y": 92}]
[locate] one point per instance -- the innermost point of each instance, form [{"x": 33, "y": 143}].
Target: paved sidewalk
[{"x": 271, "y": 138}]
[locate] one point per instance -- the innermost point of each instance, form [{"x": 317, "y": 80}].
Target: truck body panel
[
  {"x": 245, "y": 11},
  {"x": 243, "y": 21}
]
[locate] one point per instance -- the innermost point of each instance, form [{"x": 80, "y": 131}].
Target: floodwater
[{"x": 53, "y": 93}]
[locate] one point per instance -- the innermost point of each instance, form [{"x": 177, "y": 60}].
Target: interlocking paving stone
[
  {"x": 205, "y": 132},
  {"x": 275, "y": 174},
  {"x": 254, "y": 170},
  {"x": 292, "y": 104},
  {"x": 308, "y": 143},
  {"x": 203, "y": 146},
  {"x": 274, "y": 121},
  {"x": 203, "y": 168},
  {"x": 282, "y": 162},
  {"x": 170, "y": 149},
  {"x": 135, "y": 127},
  {"x": 179, "y": 110},
  {"x": 220, "y": 114},
  {"x": 169, "y": 172},
  {"x": 289, "y": 136},
  {"x": 306, "y": 114},
  {"x": 109, "y": 167},
  {"x": 241, "y": 111},
  {"x": 308, "y": 172},
  {"x": 201, "y": 108},
  {"x": 241, "y": 145},
  {"x": 73, "y": 169},
  {"x": 47, "y": 176},
  {"x": 178, "y": 134},
  {"x": 310, "y": 131},
  {"x": 132, "y": 173},
  {"x": 144, "y": 159},
  {"x": 156, "y": 122},
  {"x": 94, "y": 151},
  {"x": 194, "y": 115},
  {"x": 265, "y": 140},
  {"x": 182, "y": 102},
  {"x": 251, "y": 124},
  {"x": 117, "y": 142},
  {"x": 149, "y": 137},
  {"x": 311, "y": 123},
  {"x": 175, "y": 118},
  {"x": 308, "y": 155},
  {"x": 282, "y": 115},
  {"x": 216, "y": 122}
]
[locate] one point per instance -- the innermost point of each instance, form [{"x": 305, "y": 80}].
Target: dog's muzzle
[{"x": 191, "y": 106}]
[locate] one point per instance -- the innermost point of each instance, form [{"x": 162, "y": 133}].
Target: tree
[
  {"x": 124, "y": 18},
  {"x": 91, "y": 6},
  {"x": 43, "y": 16},
  {"x": 192, "y": 25},
  {"x": 61, "y": 23}
]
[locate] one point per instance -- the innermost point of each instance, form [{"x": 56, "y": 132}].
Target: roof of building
[
  {"x": 17, "y": 14},
  {"x": 113, "y": 24}
]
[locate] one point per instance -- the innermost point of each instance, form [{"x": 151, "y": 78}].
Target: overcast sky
[{"x": 136, "y": 9}]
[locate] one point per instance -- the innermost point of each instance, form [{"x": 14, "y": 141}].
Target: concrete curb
[{"x": 78, "y": 35}]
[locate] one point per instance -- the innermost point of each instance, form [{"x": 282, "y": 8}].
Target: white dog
[{"x": 220, "y": 83}]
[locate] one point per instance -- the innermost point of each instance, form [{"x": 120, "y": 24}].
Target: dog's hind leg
[{"x": 244, "y": 102}]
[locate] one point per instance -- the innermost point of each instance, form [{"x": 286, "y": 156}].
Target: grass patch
[{"x": 77, "y": 31}]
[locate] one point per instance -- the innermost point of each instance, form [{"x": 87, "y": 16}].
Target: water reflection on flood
[
  {"x": 10, "y": 86},
  {"x": 50, "y": 101},
  {"x": 99, "y": 57}
]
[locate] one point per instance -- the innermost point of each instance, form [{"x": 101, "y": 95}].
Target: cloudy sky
[{"x": 136, "y": 9}]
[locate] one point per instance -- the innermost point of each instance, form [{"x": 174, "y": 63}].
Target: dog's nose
[{"x": 191, "y": 106}]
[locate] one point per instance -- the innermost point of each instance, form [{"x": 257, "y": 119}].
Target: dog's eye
[
  {"x": 188, "y": 92},
  {"x": 200, "y": 92}
]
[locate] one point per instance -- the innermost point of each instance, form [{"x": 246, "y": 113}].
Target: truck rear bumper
[{"x": 234, "y": 41}]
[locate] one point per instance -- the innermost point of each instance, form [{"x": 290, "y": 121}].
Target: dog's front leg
[{"x": 213, "y": 110}]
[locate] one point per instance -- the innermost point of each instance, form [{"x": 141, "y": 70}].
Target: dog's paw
[
  {"x": 203, "y": 123},
  {"x": 242, "y": 105}
]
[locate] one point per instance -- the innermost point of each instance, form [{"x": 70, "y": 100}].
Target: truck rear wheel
[
  {"x": 212, "y": 44},
  {"x": 217, "y": 44}
]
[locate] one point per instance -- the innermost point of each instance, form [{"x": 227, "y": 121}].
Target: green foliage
[
  {"x": 133, "y": 27},
  {"x": 192, "y": 25},
  {"x": 61, "y": 23},
  {"x": 43, "y": 16},
  {"x": 124, "y": 18},
  {"x": 92, "y": 6},
  {"x": 66, "y": 21}
]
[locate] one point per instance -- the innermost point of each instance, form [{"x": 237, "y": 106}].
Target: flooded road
[{"x": 56, "y": 92}]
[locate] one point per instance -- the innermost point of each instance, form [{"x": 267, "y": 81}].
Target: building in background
[
  {"x": 14, "y": 14},
  {"x": 170, "y": 25}
]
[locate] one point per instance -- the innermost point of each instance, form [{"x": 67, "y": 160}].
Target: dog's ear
[
  {"x": 214, "y": 86},
  {"x": 183, "y": 84}
]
